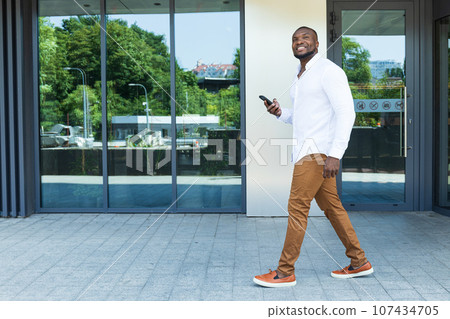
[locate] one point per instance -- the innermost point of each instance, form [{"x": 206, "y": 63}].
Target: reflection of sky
[
  {"x": 212, "y": 37},
  {"x": 387, "y": 47}
]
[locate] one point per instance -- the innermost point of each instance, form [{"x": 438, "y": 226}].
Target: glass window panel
[
  {"x": 208, "y": 107},
  {"x": 70, "y": 104},
  {"x": 373, "y": 57},
  {"x": 138, "y": 101}
]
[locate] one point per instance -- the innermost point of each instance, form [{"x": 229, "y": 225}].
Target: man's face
[{"x": 304, "y": 43}]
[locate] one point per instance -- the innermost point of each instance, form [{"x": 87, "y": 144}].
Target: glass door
[{"x": 375, "y": 53}]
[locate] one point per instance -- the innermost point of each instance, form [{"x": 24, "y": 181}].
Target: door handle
[{"x": 405, "y": 124}]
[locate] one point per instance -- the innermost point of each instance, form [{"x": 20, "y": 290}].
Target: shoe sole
[
  {"x": 274, "y": 285},
  {"x": 358, "y": 274}
]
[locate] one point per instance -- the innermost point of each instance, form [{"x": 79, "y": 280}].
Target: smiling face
[{"x": 304, "y": 43}]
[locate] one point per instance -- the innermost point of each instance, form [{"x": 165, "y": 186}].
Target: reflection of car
[
  {"x": 57, "y": 137},
  {"x": 154, "y": 139},
  {"x": 191, "y": 142}
]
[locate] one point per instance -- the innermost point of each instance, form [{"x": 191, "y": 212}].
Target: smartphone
[{"x": 262, "y": 97}]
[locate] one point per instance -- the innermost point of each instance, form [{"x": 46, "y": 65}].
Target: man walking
[{"x": 322, "y": 117}]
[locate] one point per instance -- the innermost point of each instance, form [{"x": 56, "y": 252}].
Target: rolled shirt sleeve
[{"x": 335, "y": 85}]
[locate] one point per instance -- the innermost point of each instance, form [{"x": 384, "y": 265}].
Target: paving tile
[
  {"x": 96, "y": 294},
  {"x": 436, "y": 296},
  {"x": 329, "y": 282},
  {"x": 190, "y": 280},
  {"x": 133, "y": 281},
  {"x": 285, "y": 294},
  {"x": 158, "y": 292},
  {"x": 246, "y": 293},
  {"x": 445, "y": 283},
  {"x": 156, "y": 280},
  {"x": 185, "y": 293},
  {"x": 403, "y": 294},
  {"x": 122, "y": 293},
  {"x": 66, "y": 293},
  {"x": 217, "y": 286},
  {"x": 395, "y": 284},
  {"x": 216, "y": 295},
  {"x": 310, "y": 296},
  {"x": 371, "y": 292}
]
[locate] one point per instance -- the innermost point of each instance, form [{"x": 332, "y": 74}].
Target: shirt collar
[{"x": 311, "y": 62}]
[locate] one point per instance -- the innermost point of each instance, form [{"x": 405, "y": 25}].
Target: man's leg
[
  {"x": 328, "y": 201},
  {"x": 306, "y": 181}
]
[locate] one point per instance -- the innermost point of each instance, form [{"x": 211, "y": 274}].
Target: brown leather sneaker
[
  {"x": 350, "y": 272},
  {"x": 272, "y": 280}
]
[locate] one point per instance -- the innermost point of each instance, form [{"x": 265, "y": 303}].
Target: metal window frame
[
  {"x": 20, "y": 141},
  {"x": 103, "y": 62},
  {"x": 3, "y": 189},
  {"x": 442, "y": 115},
  {"x": 36, "y": 104},
  {"x": 106, "y": 208},
  {"x": 243, "y": 99},
  {"x": 10, "y": 100},
  {"x": 28, "y": 51},
  {"x": 173, "y": 118}
]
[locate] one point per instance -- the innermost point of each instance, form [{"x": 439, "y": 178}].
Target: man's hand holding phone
[{"x": 272, "y": 107}]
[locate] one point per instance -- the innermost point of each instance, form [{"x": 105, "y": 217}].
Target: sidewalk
[{"x": 215, "y": 256}]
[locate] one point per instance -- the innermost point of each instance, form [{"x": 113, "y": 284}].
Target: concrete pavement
[{"x": 215, "y": 256}]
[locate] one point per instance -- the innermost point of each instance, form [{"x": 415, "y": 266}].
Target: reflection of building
[
  {"x": 215, "y": 84},
  {"x": 214, "y": 77},
  {"x": 378, "y": 68},
  {"x": 213, "y": 70},
  {"x": 124, "y": 126}
]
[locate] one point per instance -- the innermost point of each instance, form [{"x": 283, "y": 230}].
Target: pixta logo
[{"x": 142, "y": 148}]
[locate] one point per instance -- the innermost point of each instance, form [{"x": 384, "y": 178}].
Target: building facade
[{"x": 83, "y": 81}]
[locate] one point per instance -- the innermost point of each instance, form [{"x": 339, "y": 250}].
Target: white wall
[{"x": 270, "y": 67}]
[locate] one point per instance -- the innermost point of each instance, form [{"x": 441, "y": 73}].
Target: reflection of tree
[
  {"x": 77, "y": 44},
  {"x": 355, "y": 61},
  {"x": 237, "y": 63},
  {"x": 395, "y": 73}
]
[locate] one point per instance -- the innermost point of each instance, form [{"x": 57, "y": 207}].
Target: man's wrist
[{"x": 336, "y": 153}]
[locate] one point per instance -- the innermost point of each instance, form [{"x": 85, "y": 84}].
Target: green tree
[
  {"x": 230, "y": 107},
  {"x": 395, "y": 72},
  {"x": 73, "y": 106},
  {"x": 237, "y": 63},
  {"x": 355, "y": 61}
]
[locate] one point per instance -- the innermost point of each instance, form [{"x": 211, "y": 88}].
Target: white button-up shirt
[{"x": 323, "y": 113}]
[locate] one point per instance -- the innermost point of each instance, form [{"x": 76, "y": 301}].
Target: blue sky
[
  {"x": 212, "y": 37},
  {"x": 388, "y": 47}
]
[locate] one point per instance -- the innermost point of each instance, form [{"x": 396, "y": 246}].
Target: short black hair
[{"x": 305, "y": 27}]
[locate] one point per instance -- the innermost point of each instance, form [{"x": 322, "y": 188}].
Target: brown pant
[{"x": 308, "y": 183}]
